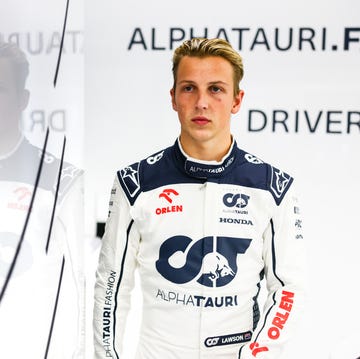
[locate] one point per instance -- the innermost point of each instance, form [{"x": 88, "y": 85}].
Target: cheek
[
  {"x": 223, "y": 106},
  {"x": 181, "y": 105},
  {"x": 222, "y": 102},
  {"x": 181, "y": 113},
  {"x": 8, "y": 105}
]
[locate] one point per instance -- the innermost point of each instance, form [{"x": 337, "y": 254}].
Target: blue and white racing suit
[{"x": 202, "y": 235}]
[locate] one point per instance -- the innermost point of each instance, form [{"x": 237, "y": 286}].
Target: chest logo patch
[{"x": 211, "y": 261}]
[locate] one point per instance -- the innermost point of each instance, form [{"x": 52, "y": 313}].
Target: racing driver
[{"x": 204, "y": 222}]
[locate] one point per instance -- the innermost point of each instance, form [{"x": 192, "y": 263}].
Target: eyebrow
[{"x": 218, "y": 82}]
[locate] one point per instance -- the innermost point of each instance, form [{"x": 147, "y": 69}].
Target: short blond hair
[{"x": 202, "y": 47}]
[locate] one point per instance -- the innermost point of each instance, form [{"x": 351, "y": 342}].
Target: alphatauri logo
[
  {"x": 236, "y": 200},
  {"x": 211, "y": 261}
]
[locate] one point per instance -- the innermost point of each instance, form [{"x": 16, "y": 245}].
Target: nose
[{"x": 202, "y": 101}]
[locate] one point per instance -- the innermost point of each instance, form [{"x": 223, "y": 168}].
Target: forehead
[
  {"x": 212, "y": 68},
  {"x": 7, "y": 74}
]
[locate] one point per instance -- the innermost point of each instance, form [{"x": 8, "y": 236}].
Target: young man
[
  {"x": 41, "y": 278},
  {"x": 204, "y": 222},
  {"x": 14, "y": 97}
]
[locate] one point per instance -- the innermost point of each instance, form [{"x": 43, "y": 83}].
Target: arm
[
  {"x": 114, "y": 276},
  {"x": 68, "y": 231},
  {"x": 283, "y": 256}
]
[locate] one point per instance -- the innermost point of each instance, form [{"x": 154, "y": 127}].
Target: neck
[{"x": 207, "y": 151}]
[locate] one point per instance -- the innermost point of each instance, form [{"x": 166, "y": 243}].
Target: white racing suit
[
  {"x": 41, "y": 278},
  {"x": 202, "y": 235}
]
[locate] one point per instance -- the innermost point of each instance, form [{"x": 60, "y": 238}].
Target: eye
[
  {"x": 215, "y": 89},
  {"x": 188, "y": 88}
]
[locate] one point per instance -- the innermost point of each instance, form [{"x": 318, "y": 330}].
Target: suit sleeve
[
  {"x": 284, "y": 258},
  {"x": 114, "y": 276},
  {"x": 69, "y": 230}
]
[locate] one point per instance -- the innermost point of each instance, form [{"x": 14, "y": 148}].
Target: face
[
  {"x": 204, "y": 100},
  {"x": 12, "y": 100}
]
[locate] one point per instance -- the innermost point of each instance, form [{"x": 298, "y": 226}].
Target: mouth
[{"x": 200, "y": 120}]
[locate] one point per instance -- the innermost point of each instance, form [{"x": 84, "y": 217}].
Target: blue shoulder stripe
[
  {"x": 279, "y": 184},
  {"x": 130, "y": 181}
]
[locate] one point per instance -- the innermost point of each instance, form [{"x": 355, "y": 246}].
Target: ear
[
  {"x": 24, "y": 99},
  {"x": 237, "y": 102},
  {"x": 173, "y": 102}
]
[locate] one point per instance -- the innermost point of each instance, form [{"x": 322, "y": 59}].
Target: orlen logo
[
  {"x": 236, "y": 200},
  {"x": 21, "y": 199},
  {"x": 167, "y": 194},
  {"x": 278, "y": 323},
  {"x": 211, "y": 261},
  {"x": 256, "y": 349}
]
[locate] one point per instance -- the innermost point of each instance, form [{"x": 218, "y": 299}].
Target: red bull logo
[
  {"x": 215, "y": 265},
  {"x": 211, "y": 261}
]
